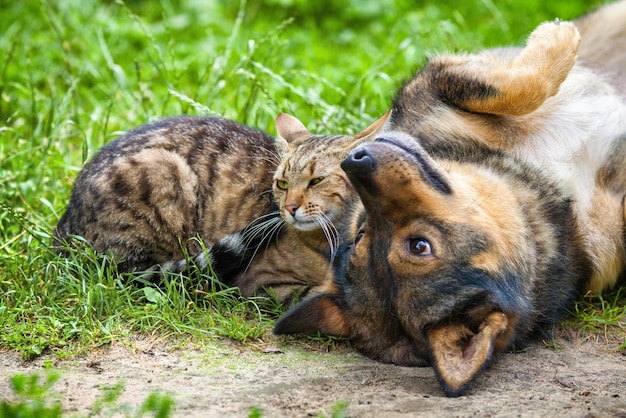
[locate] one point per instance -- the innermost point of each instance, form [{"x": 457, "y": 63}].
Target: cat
[
  {"x": 494, "y": 197},
  {"x": 315, "y": 201},
  {"x": 203, "y": 188}
]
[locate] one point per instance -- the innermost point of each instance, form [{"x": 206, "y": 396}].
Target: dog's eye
[
  {"x": 420, "y": 246},
  {"x": 359, "y": 235}
]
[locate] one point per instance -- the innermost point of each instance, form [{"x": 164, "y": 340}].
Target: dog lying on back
[{"x": 494, "y": 199}]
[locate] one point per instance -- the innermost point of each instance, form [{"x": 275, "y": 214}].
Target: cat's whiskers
[
  {"x": 258, "y": 231},
  {"x": 275, "y": 228},
  {"x": 259, "y": 227},
  {"x": 276, "y": 156},
  {"x": 268, "y": 159},
  {"x": 331, "y": 233}
]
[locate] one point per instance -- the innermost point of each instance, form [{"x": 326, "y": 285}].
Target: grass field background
[{"x": 74, "y": 74}]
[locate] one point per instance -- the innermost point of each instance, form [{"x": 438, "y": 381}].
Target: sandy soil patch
[{"x": 584, "y": 379}]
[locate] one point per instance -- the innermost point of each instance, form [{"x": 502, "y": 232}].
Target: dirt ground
[{"x": 581, "y": 379}]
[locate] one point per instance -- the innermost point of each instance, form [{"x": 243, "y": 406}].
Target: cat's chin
[{"x": 305, "y": 226}]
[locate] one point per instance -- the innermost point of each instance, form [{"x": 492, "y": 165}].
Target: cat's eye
[
  {"x": 420, "y": 246},
  {"x": 315, "y": 181},
  {"x": 282, "y": 184}
]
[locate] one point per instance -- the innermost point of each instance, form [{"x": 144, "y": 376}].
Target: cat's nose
[
  {"x": 292, "y": 208},
  {"x": 360, "y": 160}
]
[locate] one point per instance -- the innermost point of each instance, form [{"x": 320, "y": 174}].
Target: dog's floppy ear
[
  {"x": 320, "y": 313},
  {"x": 458, "y": 355},
  {"x": 500, "y": 87}
]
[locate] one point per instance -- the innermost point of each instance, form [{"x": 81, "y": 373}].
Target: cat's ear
[
  {"x": 369, "y": 133},
  {"x": 320, "y": 313},
  {"x": 290, "y": 128},
  {"x": 458, "y": 355}
]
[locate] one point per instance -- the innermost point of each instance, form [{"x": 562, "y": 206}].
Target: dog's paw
[
  {"x": 556, "y": 39},
  {"x": 553, "y": 44},
  {"x": 551, "y": 53}
]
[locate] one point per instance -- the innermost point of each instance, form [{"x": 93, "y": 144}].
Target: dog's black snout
[{"x": 359, "y": 161}]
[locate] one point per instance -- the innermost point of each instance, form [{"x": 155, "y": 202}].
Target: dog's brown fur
[{"x": 495, "y": 197}]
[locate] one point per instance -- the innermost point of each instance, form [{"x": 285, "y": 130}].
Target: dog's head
[{"x": 435, "y": 275}]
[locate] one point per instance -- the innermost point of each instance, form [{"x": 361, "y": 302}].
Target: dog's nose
[{"x": 359, "y": 161}]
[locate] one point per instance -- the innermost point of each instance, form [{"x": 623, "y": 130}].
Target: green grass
[
  {"x": 77, "y": 73},
  {"x": 36, "y": 398},
  {"x": 602, "y": 317}
]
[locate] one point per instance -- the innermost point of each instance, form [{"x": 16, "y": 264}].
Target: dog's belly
[{"x": 575, "y": 134}]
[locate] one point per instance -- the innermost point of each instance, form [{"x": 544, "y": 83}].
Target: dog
[{"x": 492, "y": 200}]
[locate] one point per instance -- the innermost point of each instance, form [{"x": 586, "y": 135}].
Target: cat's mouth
[
  {"x": 301, "y": 223},
  {"x": 307, "y": 223}
]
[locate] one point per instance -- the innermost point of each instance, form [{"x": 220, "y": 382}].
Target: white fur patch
[
  {"x": 234, "y": 241},
  {"x": 203, "y": 259},
  {"x": 576, "y": 133}
]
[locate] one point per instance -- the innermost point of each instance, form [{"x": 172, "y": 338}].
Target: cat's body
[
  {"x": 201, "y": 189},
  {"x": 158, "y": 186}
]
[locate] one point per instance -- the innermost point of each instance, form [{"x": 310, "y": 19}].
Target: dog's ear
[
  {"x": 497, "y": 86},
  {"x": 349, "y": 142},
  {"x": 458, "y": 355},
  {"x": 369, "y": 133},
  {"x": 320, "y": 313}
]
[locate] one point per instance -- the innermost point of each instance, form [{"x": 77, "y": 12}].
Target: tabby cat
[{"x": 269, "y": 210}]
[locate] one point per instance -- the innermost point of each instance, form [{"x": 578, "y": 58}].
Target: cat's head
[{"x": 310, "y": 187}]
